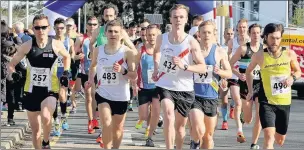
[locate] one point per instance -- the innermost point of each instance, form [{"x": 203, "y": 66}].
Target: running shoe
[
  {"x": 240, "y": 137},
  {"x": 225, "y": 125},
  {"x": 139, "y": 124}
]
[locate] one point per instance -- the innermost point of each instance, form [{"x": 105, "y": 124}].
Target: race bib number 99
[
  {"x": 109, "y": 77},
  {"x": 256, "y": 73},
  {"x": 40, "y": 77},
  {"x": 277, "y": 86},
  {"x": 205, "y": 78},
  {"x": 166, "y": 65}
]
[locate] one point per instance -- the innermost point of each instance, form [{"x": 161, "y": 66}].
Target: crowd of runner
[{"x": 184, "y": 75}]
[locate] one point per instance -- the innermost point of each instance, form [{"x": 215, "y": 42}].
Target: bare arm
[
  {"x": 156, "y": 53},
  {"x": 72, "y": 50},
  {"x": 237, "y": 55},
  {"x": 226, "y": 71},
  {"x": 295, "y": 66},
  {"x": 21, "y": 52},
  {"x": 60, "y": 49},
  {"x": 199, "y": 66},
  {"x": 94, "y": 39},
  {"x": 92, "y": 70},
  {"x": 127, "y": 40},
  {"x": 131, "y": 61},
  {"x": 77, "y": 47},
  {"x": 249, "y": 76}
]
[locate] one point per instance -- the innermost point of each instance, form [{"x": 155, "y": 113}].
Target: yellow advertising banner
[
  {"x": 288, "y": 40},
  {"x": 222, "y": 10}
]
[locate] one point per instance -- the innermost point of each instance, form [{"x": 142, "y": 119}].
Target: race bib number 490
[
  {"x": 166, "y": 65},
  {"x": 205, "y": 78},
  {"x": 277, "y": 86},
  {"x": 40, "y": 77},
  {"x": 109, "y": 77}
]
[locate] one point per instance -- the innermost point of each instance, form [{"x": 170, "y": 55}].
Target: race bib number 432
[
  {"x": 109, "y": 77},
  {"x": 40, "y": 77},
  {"x": 166, "y": 65},
  {"x": 277, "y": 86},
  {"x": 205, "y": 78}
]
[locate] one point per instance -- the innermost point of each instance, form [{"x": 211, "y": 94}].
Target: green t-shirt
[{"x": 101, "y": 38}]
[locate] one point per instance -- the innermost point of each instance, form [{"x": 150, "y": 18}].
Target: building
[{"x": 261, "y": 12}]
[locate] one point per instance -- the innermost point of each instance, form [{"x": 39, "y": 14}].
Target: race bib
[
  {"x": 277, "y": 86},
  {"x": 256, "y": 73},
  {"x": 109, "y": 77},
  {"x": 205, "y": 78},
  {"x": 150, "y": 72},
  {"x": 60, "y": 61},
  {"x": 167, "y": 66},
  {"x": 40, "y": 77}
]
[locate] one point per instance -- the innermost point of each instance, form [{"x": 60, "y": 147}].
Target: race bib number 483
[
  {"x": 166, "y": 65},
  {"x": 277, "y": 86},
  {"x": 40, "y": 77},
  {"x": 109, "y": 77},
  {"x": 205, "y": 78}
]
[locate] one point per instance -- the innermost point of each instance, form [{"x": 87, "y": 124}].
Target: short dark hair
[
  {"x": 110, "y": 5},
  {"x": 270, "y": 28},
  {"x": 92, "y": 18},
  {"x": 40, "y": 17},
  {"x": 254, "y": 26},
  {"x": 132, "y": 25},
  {"x": 115, "y": 22},
  {"x": 59, "y": 20},
  {"x": 198, "y": 17}
]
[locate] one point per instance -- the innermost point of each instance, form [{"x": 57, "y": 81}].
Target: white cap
[
  {"x": 193, "y": 30},
  {"x": 70, "y": 22}
]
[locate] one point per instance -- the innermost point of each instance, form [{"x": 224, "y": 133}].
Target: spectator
[{"x": 19, "y": 28}]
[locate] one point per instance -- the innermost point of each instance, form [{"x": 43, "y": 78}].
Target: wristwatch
[
  {"x": 125, "y": 72},
  {"x": 186, "y": 67},
  {"x": 294, "y": 77}
]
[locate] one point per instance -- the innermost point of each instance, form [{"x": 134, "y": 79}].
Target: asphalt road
[{"x": 77, "y": 136}]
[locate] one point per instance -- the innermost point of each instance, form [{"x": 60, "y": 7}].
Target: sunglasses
[
  {"x": 92, "y": 24},
  {"x": 59, "y": 28},
  {"x": 41, "y": 27},
  {"x": 153, "y": 26}
]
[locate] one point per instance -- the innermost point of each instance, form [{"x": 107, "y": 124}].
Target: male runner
[
  {"x": 140, "y": 41},
  {"x": 82, "y": 46},
  {"x": 203, "y": 114},
  {"x": 233, "y": 44},
  {"x": 132, "y": 28},
  {"x": 110, "y": 12},
  {"x": 243, "y": 55},
  {"x": 147, "y": 97},
  {"x": 115, "y": 65},
  {"x": 42, "y": 84},
  {"x": 279, "y": 69},
  {"x": 228, "y": 35},
  {"x": 75, "y": 83},
  {"x": 174, "y": 56},
  {"x": 59, "y": 27}
]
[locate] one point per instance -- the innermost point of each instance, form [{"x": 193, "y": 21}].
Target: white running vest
[
  {"x": 111, "y": 85},
  {"x": 235, "y": 46},
  {"x": 175, "y": 79}
]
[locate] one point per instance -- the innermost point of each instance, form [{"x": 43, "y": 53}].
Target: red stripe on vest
[{"x": 181, "y": 55}]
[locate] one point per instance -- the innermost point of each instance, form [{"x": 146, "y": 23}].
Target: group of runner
[{"x": 181, "y": 74}]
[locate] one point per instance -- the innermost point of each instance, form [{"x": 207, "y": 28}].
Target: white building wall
[{"x": 269, "y": 12}]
